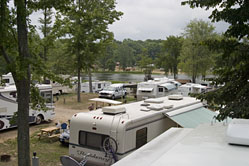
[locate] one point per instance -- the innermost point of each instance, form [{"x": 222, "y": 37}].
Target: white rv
[
  {"x": 188, "y": 88},
  {"x": 7, "y": 79},
  {"x": 8, "y": 106},
  {"x": 96, "y": 86},
  {"x": 111, "y": 133},
  {"x": 158, "y": 87}
]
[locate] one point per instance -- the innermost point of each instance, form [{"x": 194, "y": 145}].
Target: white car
[{"x": 113, "y": 91}]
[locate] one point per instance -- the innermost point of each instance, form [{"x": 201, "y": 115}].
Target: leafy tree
[
  {"x": 169, "y": 58},
  {"x": 232, "y": 67},
  {"x": 46, "y": 29},
  {"x": 20, "y": 69},
  {"x": 233, "y": 12},
  {"x": 125, "y": 55},
  {"x": 196, "y": 58},
  {"x": 86, "y": 23}
]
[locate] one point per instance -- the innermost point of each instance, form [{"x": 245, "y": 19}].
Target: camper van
[
  {"x": 111, "y": 133},
  {"x": 96, "y": 86},
  {"x": 188, "y": 88},
  {"x": 113, "y": 91},
  {"x": 8, "y": 106},
  {"x": 158, "y": 87}
]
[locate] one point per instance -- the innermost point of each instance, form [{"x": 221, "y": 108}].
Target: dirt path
[{"x": 61, "y": 115}]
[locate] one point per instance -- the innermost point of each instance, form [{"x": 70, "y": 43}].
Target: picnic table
[{"x": 49, "y": 132}]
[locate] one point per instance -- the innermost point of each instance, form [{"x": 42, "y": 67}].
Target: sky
[
  {"x": 152, "y": 19},
  {"x": 156, "y": 19}
]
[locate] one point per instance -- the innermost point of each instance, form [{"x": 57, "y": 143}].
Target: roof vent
[
  {"x": 156, "y": 101},
  {"x": 145, "y": 109},
  {"x": 168, "y": 106},
  {"x": 237, "y": 132},
  {"x": 175, "y": 97},
  {"x": 157, "y": 107},
  {"x": 113, "y": 110}
]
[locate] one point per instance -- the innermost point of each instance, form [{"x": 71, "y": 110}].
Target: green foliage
[
  {"x": 196, "y": 59},
  {"x": 232, "y": 64},
  {"x": 169, "y": 58},
  {"x": 232, "y": 69},
  {"x": 231, "y": 11}
]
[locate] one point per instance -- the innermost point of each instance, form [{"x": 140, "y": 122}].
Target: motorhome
[
  {"x": 7, "y": 79},
  {"x": 188, "y": 88},
  {"x": 158, "y": 87},
  {"x": 113, "y": 91},
  {"x": 8, "y": 106},
  {"x": 96, "y": 86},
  {"x": 111, "y": 133}
]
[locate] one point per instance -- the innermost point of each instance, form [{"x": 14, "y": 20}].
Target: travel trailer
[
  {"x": 7, "y": 79},
  {"x": 158, "y": 87},
  {"x": 113, "y": 91},
  {"x": 111, "y": 133},
  {"x": 96, "y": 86},
  {"x": 216, "y": 144},
  {"x": 188, "y": 88},
  {"x": 8, "y": 106}
]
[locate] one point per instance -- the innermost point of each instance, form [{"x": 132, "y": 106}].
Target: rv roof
[
  {"x": 134, "y": 109},
  {"x": 12, "y": 88},
  {"x": 206, "y": 145}
]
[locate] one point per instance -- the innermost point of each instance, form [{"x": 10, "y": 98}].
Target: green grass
[{"x": 48, "y": 152}]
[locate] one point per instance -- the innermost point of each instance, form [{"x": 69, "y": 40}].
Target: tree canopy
[{"x": 231, "y": 69}]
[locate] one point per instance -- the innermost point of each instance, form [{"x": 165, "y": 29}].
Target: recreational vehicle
[
  {"x": 111, "y": 133},
  {"x": 96, "y": 86},
  {"x": 113, "y": 91},
  {"x": 7, "y": 79},
  {"x": 158, "y": 87},
  {"x": 188, "y": 88},
  {"x": 8, "y": 106}
]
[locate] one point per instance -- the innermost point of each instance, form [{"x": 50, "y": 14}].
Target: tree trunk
[
  {"x": 23, "y": 86},
  {"x": 90, "y": 81},
  {"x": 79, "y": 85}
]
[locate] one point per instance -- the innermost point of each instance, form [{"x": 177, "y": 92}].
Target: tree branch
[{"x": 5, "y": 55}]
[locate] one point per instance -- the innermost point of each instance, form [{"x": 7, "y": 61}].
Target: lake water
[{"x": 124, "y": 77}]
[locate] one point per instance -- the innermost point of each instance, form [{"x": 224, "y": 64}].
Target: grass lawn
[{"x": 48, "y": 152}]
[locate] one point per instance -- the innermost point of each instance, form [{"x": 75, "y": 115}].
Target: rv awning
[
  {"x": 145, "y": 89},
  {"x": 168, "y": 86},
  {"x": 193, "y": 118},
  {"x": 106, "y": 101}
]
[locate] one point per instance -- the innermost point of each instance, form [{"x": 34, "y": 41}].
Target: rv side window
[
  {"x": 91, "y": 140},
  {"x": 82, "y": 138},
  {"x": 141, "y": 137},
  {"x": 160, "y": 89},
  {"x": 99, "y": 85}
]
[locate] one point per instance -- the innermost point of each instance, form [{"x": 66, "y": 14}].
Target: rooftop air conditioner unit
[
  {"x": 175, "y": 97},
  {"x": 113, "y": 110},
  {"x": 237, "y": 132}
]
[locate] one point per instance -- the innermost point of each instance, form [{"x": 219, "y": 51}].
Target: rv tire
[{"x": 38, "y": 119}]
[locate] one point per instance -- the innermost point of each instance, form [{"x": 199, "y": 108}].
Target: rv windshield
[{"x": 109, "y": 88}]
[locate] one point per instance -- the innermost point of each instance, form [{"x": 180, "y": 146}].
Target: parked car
[{"x": 113, "y": 91}]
